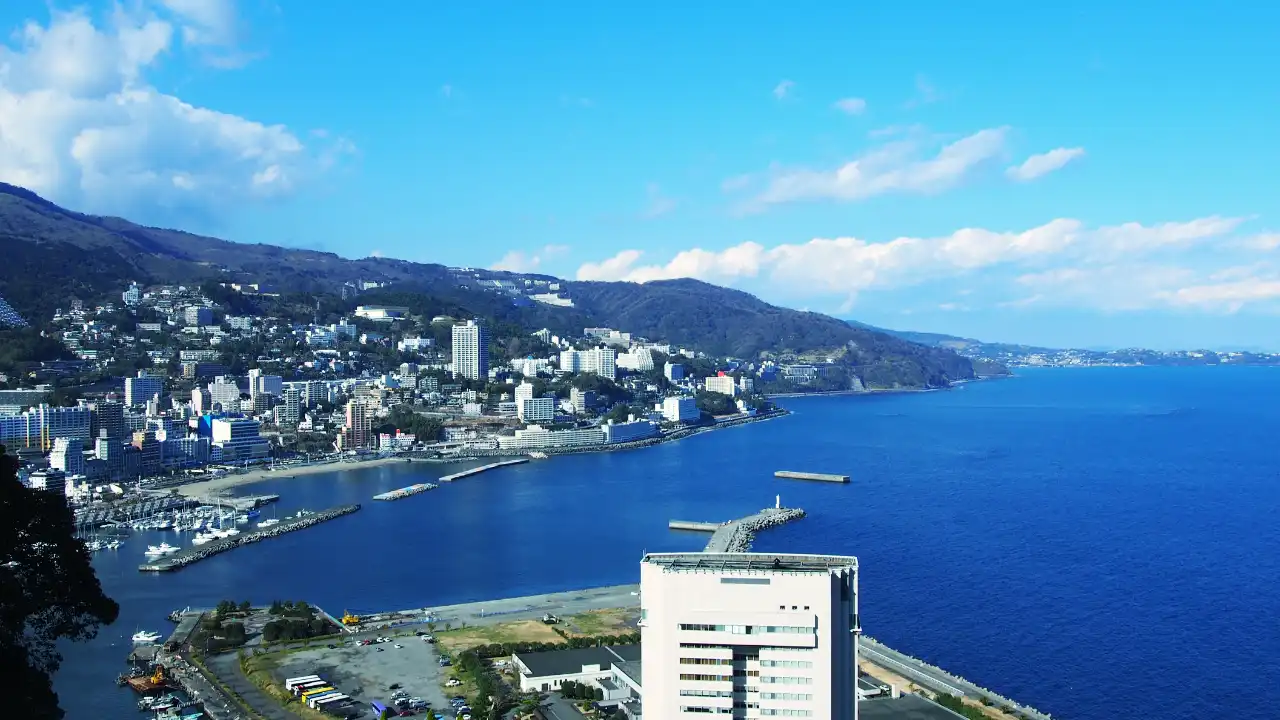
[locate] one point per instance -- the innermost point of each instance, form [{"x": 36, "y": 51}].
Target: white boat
[
  {"x": 269, "y": 522},
  {"x": 114, "y": 545},
  {"x": 201, "y": 538},
  {"x": 142, "y": 637},
  {"x": 163, "y": 548}
]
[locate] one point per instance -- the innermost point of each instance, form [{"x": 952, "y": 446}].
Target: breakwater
[
  {"x": 737, "y": 535},
  {"x": 482, "y": 468},
  {"x": 824, "y": 477},
  {"x": 405, "y": 492},
  {"x": 184, "y": 558}
]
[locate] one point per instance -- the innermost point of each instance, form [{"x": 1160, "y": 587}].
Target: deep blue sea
[{"x": 1099, "y": 543}]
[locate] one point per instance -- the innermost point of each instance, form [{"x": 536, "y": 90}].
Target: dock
[
  {"x": 694, "y": 526},
  {"x": 822, "y": 477},
  {"x": 191, "y": 555},
  {"x": 405, "y": 492},
  {"x": 482, "y": 468}
]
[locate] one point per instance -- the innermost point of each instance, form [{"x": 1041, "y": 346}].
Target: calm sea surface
[{"x": 1099, "y": 543}]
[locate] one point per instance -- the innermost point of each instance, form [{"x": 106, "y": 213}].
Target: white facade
[
  {"x": 531, "y": 409},
  {"x": 723, "y": 384},
  {"x": 471, "y": 351},
  {"x": 639, "y": 360},
  {"x": 629, "y": 431},
  {"x": 239, "y": 439},
  {"x": 601, "y": 361},
  {"x": 749, "y": 635},
  {"x": 535, "y": 437},
  {"x": 680, "y": 409}
]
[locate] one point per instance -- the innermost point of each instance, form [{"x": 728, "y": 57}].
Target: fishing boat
[
  {"x": 142, "y": 637},
  {"x": 163, "y": 548}
]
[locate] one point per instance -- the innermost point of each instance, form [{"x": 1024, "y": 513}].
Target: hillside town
[{"x": 168, "y": 386}]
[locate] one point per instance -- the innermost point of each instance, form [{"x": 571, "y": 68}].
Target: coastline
[
  {"x": 219, "y": 485},
  {"x": 226, "y": 482}
]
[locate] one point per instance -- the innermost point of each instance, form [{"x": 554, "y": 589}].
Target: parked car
[{"x": 453, "y": 682}]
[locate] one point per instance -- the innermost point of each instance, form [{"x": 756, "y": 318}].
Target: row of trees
[
  {"x": 228, "y": 607},
  {"x": 580, "y": 691}
]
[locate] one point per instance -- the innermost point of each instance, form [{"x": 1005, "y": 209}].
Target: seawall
[{"x": 186, "y": 557}]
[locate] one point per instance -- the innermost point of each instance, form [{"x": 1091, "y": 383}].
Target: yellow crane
[{"x": 349, "y": 619}]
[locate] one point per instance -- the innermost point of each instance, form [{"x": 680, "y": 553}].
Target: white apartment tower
[
  {"x": 749, "y": 635},
  {"x": 471, "y": 351}
]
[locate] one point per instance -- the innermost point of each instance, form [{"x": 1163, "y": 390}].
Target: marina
[
  {"x": 482, "y": 468},
  {"x": 170, "y": 561},
  {"x": 823, "y": 477},
  {"x": 405, "y": 492}
]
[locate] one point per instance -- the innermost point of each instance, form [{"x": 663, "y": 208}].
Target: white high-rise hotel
[
  {"x": 749, "y": 635},
  {"x": 471, "y": 351}
]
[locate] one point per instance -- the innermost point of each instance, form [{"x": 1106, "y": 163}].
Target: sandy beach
[{"x": 221, "y": 484}]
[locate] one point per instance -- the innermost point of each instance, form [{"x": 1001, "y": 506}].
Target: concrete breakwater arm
[
  {"x": 737, "y": 535},
  {"x": 822, "y": 477},
  {"x": 482, "y": 468},
  {"x": 182, "y": 559}
]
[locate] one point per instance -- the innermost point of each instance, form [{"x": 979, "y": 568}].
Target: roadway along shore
[{"x": 223, "y": 483}]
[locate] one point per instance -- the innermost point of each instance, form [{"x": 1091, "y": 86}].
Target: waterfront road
[
  {"x": 532, "y": 607},
  {"x": 227, "y": 667},
  {"x": 935, "y": 679}
]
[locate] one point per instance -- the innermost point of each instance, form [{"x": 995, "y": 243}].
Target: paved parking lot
[{"x": 366, "y": 673}]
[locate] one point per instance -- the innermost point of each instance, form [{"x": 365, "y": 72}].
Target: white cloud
[
  {"x": 783, "y": 89},
  {"x": 926, "y": 93},
  {"x": 1062, "y": 260},
  {"x": 1265, "y": 241},
  {"x": 375, "y": 253},
  {"x": 657, "y": 203},
  {"x": 80, "y": 125},
  {"x": 1228, "y": 296},
  {"x": 518, "y": 261},
  {"x": 894, "y": 168},
  {"x": 851, "y": 106},
  {"x": 1043, "y": 164},
  {"x": 206, "y": 22}
]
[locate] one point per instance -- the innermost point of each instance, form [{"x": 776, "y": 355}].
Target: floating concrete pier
[
  {"x": 184, "y": 558},
  {"x": 405, "y": 492},
  {"x": 241, "y": 504},
  {"x": 482, "y": 468},
  {"x": 695, "y": 526},
  {"x": 823, "y": 477}
]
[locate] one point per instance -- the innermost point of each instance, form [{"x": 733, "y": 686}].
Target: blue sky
[{"x": 1097, "y": 177}]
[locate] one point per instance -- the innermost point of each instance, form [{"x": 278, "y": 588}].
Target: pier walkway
[
  {"x": 482, "y": 468},
  {"x": 200, "y": 552},
  {"x": 737, "y": 535}
]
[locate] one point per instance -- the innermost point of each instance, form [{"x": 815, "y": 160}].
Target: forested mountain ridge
[{"x": 54, "y": 254}]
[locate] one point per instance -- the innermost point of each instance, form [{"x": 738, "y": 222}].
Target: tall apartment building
[
  {"x": 138, "y": 390},
  {"x": 198, "y": 316},
  {"x": 358, "y": 432},
  {"x": 289, "y": 412},
  {"x": 723, "y": 384},
  {"x": 260, "y": 384},
  {"x": 67, "y": 456},
  {"x": 224, "y": 391},
  {"x": 601, "y": 361},
  {"x": 40, "y": 426},
  {"x": 106, "y": 416},
  {"x": 201, "y": 401},
  {"x": 673, "y": 371},
  {"x": 471, "y": 351},
  {"x": 749, "y": 635},
  {"x": 239, "y": 439}
]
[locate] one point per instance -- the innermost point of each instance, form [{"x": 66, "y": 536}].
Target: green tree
[
  {"x": 48, "y": 592},
  {"x": 245, "y": 606}
]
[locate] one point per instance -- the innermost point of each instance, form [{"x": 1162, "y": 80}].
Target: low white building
[
  {"x": 547, "y": 671},
  {"x": 535, "y": 437},
  {"x": 680, "y": 409}
]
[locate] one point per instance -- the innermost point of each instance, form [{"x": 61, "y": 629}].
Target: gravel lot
[{"x": 365, "y": 674}]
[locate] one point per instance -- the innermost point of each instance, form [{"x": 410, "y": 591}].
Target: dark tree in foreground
[{"x": 48, "y": 592}]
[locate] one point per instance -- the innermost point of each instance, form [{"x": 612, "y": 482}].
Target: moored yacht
[{"x": 142, "y": 637}]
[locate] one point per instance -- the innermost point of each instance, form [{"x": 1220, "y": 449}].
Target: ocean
[{"x": 1095, "y": 542}]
